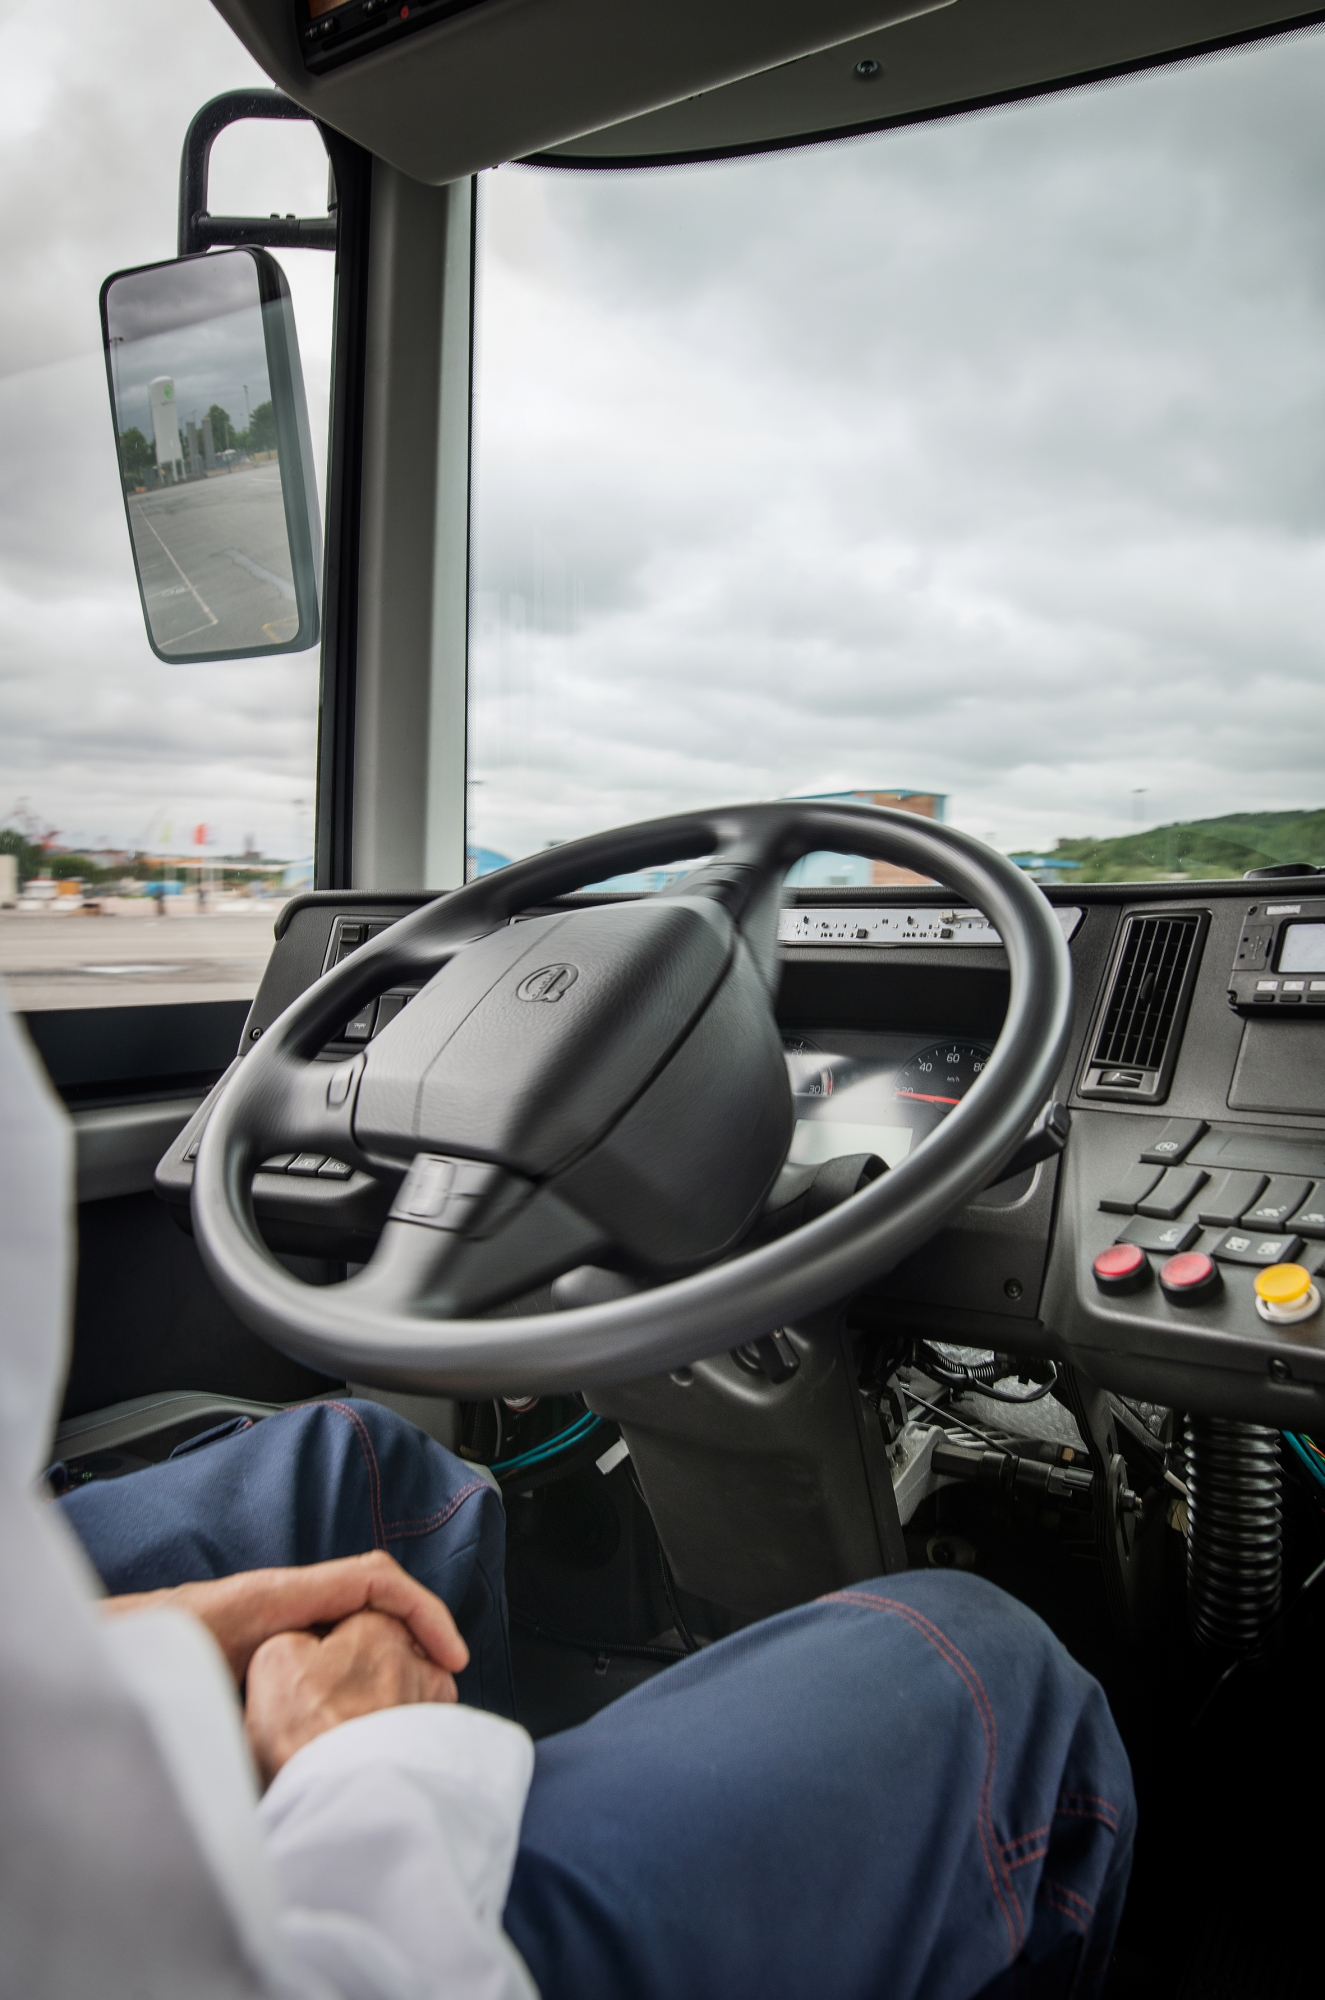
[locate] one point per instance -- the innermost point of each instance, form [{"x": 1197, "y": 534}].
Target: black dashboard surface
[{"x": 889, "y": 1000}]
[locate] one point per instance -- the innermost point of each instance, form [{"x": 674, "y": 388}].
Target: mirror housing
[{"x": 224, "y": 523}]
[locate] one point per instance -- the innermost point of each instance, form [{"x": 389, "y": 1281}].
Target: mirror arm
[{"x": 200, "y": 231}]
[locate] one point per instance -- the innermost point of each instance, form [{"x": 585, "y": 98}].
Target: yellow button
[{"x": 1282, "y": 1284}]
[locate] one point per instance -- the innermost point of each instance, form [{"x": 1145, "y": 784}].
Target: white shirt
[{"x": 136, "y": 1859}]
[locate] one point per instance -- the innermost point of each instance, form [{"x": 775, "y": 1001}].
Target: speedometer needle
[{"x": 923, "y": 1097}]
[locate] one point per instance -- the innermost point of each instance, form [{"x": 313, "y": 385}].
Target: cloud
[
  {"x": 97, "y": 735},
  {"x": 983, "y": 457}
]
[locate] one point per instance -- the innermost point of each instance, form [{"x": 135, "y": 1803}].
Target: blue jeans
[{"x": 906, "y": 1789}]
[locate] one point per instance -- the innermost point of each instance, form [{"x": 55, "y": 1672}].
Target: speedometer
[{"x": 940, "y": 1077}]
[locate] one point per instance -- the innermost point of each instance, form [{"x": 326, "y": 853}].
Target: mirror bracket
[{"x": 200, "y": 231}]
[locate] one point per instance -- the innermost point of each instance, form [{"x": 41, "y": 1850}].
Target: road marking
[
  {"x": 128, "y": 971},
  {"x": 263, "y": 575},
  {"x": 205, "y": 609}
]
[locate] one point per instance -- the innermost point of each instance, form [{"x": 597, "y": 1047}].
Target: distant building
[
  {"x": 1045, "y": 867},
  {"x": 854, "y": 871},
  {"x": 484, "y": 861},
  {"x": 165, "y": 428}
]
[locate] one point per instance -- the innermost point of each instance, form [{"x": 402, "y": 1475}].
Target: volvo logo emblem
[{"x": 548, "y": 983}]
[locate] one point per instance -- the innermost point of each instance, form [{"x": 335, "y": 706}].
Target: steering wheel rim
[{"x": 347, "y": 1331}]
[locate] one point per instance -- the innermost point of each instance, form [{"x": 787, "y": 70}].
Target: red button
[
  {"x": 1121, "y": 1268},
  {"x": 1190, "y": 1278}
]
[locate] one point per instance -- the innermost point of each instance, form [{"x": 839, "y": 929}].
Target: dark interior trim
[
  {"x": 334, "y": 831},
  {"x": 620, "y": 163},
  {"x": 109, "y": 1055}
]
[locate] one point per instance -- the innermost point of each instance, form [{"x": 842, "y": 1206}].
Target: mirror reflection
[{"x": 215, "y": 457}]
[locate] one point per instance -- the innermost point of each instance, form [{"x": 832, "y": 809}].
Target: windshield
[
  {"x": 976, "y": 465},
  {"x": 136, "y": 789}
]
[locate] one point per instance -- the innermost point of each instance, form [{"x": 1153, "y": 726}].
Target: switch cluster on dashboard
[
  {"x": 348, "y": 934},
  {"x": 1200, "y": 1219},
  {"x": 1280, "y": 961}
]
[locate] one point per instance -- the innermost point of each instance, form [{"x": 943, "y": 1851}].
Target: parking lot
[{"x": 133, "y": 957}]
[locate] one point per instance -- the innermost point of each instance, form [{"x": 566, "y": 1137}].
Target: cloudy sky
[
  {"x": 985, "y": 458},
  {"x": 98, "y": 737}
]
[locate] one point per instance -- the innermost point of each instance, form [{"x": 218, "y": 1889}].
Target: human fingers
[
  {"x": 300, "y": 1686},
  {"x": 242, "y": 1612}
]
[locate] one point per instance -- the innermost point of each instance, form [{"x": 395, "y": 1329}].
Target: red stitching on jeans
[
  {"x": 975, "y": 1687},
  {"x": 398, "y": 1530},
  {"x": 1075, "y": 1802},
  {"x": 370, "y": 1460},
  {"x": 1035, "y": 1833},
  {"x": 1063, "y": 1890},
  {"x": 1052, "y": 1890},
  {"x": 1032, "y": 1854}
]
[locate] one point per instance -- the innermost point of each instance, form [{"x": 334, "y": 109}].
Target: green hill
[{"x": 1199, "y": 849}]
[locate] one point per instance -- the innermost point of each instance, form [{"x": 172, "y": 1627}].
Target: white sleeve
[{"x": 392, "y": 1841}]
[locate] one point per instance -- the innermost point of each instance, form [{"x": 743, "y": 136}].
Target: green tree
[
  {"x": 135, "y": 455},
  {"x": 223, "y": 431},
  {"x": 29, "y": 855},
  {"x": 262, "y": 429}
]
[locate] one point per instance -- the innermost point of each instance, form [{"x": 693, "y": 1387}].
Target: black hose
[{"x": 1234, "y": 1535}]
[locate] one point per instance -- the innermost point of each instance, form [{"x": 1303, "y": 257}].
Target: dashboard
[{"x": 1195, "y": 1165}]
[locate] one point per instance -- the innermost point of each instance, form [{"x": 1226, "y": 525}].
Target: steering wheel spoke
[
  {"x": 309, "y": 1108},
  {"x": 464, "y": 1236}
]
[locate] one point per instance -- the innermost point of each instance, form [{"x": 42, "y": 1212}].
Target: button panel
[
  {"x": 1177, "y": 1186},
  {"x": 348, "y": 935},
  {"x": 1277, "y": 954},
  {"x": 1230, "y": 1198},
  {"x": 1310, "y": 1218},
  {"x": 1253, "y": 1246},
  {"x": 1125, "y": 1195},
  {"x": 1174, "y": 1140},
  {"x": 1148, "y": 1233},
  {"x": 1278, "y": 1202}
]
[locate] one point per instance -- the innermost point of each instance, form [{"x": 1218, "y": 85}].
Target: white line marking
[
  {"x": 205, "y": 609},
  {"x": 263, "y": 575}
]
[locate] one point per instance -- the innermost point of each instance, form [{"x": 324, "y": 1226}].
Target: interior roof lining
[{"x": 928, "y": 114}]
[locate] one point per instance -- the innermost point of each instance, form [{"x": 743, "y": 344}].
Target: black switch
[
  {"x": 1274, "y": 1207},
  {"x": 1151, "y": 1234},
  {"x": 1310, "y": 1218},
  {"x": 1251, "y": 1246},
  {"x": 1135, "y": 1185},
  {"x": 1176, "y": 1188},
  {"x": 1230, "y": 1198},
  {"x": 1174, "y": 1140},
  {"x": 360, "y": 1028}
]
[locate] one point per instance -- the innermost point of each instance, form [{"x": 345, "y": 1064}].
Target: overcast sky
[
  {"x": 98, "y": 736},
  {"x": 985, "y": 457}
]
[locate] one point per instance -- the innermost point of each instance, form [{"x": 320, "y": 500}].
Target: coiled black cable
[{"x": 1234, "y": 1533}]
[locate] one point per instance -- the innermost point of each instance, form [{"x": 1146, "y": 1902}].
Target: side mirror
[{"x": 216, "y": 456}]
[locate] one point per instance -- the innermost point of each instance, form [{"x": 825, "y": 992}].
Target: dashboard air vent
[{"x": 1135, "y": 1041}]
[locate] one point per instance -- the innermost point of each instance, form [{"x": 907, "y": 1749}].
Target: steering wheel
[{"x": 602, "y": 1086}]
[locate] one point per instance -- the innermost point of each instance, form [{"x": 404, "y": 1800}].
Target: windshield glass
[
  {"x": 135, "y": 789},
  {"x": 976, "y": 466}
]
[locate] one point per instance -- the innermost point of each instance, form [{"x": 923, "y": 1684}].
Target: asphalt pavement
[
  {"x": 78, "y": 959},
  {"x": 214, "y": 559}
]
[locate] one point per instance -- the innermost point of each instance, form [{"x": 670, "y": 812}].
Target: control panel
[
  {"x": 1280, "y": 963},
  {"x": 919, "y": 924},
  {"x": 348, "y": 934},
  {"x": 1186, "y": 1243},
  {"x": 332, "y": 32}
]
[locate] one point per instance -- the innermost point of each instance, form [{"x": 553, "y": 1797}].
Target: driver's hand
[
  {"x": 300, "y": 1685},
  {"x": 243, "y": 1612}
]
